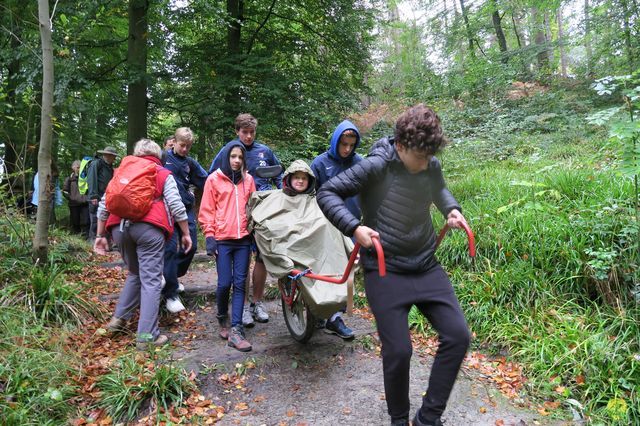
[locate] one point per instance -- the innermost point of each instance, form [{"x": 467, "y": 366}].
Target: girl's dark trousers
[{"x": 391, "y": 298}]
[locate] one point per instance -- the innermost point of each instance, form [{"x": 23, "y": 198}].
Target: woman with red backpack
[{"x": 141, "y": 230}]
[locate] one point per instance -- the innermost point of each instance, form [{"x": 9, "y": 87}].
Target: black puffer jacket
[{"x": 395, "y": 203}]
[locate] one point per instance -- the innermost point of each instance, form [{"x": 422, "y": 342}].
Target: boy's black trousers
[{"x": 391, "y": 298}]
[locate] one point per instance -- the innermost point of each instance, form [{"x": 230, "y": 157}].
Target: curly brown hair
[{"x": 419, "y": 128}]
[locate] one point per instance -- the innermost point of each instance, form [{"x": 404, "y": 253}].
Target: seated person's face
[
  {"x": 236, "y": 159},
  {"x": 300, "y": 181},
  {"x": 346, "y": 145}
]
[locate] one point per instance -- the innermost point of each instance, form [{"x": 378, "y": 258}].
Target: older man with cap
[{"x": 100, "y": 173}]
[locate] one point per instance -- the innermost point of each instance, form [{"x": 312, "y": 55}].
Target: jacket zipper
[{"x": 235, "y": 188}]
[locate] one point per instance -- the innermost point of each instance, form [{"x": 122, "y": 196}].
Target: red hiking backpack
[{"x": 132, "y": 190}]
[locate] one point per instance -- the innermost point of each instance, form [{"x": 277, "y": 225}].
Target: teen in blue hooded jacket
[{"x": 340, "y": 156}]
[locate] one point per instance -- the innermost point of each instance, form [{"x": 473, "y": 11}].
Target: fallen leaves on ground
[{"x": 97, "y": 349}]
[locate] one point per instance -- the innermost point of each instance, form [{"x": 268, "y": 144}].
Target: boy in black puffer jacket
[{"x": 398, "y": 182}]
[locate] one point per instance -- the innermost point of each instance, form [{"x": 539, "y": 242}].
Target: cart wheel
[{"x": 299, "y": 319}]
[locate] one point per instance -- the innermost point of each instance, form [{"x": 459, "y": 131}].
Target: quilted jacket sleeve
[
  {"x": 331, "y": 196},
  {"x": 442, "y": 197}
]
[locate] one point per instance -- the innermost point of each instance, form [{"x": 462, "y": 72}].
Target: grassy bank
[{"x": 556, "y": 280}]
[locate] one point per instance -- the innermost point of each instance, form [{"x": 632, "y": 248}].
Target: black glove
[{"x": 212, "y": 246}]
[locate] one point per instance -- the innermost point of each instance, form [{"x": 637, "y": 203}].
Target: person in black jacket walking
[{"x": 397, "y": 183}]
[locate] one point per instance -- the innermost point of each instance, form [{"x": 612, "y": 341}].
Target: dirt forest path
[{"x": 325, "y": 382}]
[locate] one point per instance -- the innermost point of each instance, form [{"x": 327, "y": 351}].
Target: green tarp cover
[{"x": 292, "y": 232}]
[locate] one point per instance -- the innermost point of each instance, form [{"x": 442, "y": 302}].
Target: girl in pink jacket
[{"x": 223, "y": 219}]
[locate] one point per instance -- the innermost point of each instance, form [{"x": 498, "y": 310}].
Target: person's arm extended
[
  {"x": 442, "y": 197},
  {"x": 331, "y": 196},
  {"x": 172, "y": 199},
  {"x": 185, "y": 240},
  {"x": 101, "y": 245},
  {"x": 176, "y": 207}
]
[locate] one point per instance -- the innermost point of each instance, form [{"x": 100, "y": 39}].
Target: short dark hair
[
  {"x": 245, "y": 120},
  {"x": 419, "y": 128}
]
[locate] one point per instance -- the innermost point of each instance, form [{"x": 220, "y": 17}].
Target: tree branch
[
  {"x": 107, "y": 71},
  {"x": 264, "y": 22},
  {"x": 36, "y": 54}
]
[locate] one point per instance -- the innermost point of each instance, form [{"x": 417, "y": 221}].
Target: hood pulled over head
[
  {"x": 225, "y": 166},
  {"x": 298, "y": 166},
  {"x": 335, "y": 140}
]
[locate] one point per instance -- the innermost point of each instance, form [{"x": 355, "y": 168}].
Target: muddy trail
[{"x": 327, "y": 381}]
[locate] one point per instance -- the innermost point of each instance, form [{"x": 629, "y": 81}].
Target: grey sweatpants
[{"x": 142, "y": 249}]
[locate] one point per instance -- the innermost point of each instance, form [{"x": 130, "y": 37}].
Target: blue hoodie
[
  {"x": 329, "y": 164},
  {"x": 257, "y": 155}
]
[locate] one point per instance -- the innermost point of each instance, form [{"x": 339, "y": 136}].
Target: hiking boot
[
  {"x": 237, "y": 340},
  {"x": 403, "y": 422},
  {"x": 259, "y": 312},
  {"x": 160, "y": 340},
  {"x": 247, "y": 318},
  {"x": 180, "y": 288},
  {"x": 224, "y": 328},
  {"x": 116, "y": 325},
  {"x": 417, "y": 421},
  {"x": 339, "y": 328},
  {"x": 175, "y": 305}
]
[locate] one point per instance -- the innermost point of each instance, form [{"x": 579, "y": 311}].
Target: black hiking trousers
[{"x": 391, "y": 298}]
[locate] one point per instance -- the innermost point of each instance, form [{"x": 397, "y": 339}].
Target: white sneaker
[
  {"x": 259, "y": 312},
  {"x": 164, "y": 282},
  {"x": 175, "y": 305},
  {"x": 180, "y": 288},
  {"x": 247, "y": 318}
]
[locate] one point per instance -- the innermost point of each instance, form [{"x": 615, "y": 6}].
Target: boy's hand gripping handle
[
  {"x": 471, "y": 239},
  {"x": 382, "y": 269}
]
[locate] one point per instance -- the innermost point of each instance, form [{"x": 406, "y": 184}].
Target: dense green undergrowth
[
  {"x": 39, "y": 309},
  {"x": 556, "y": 278}
]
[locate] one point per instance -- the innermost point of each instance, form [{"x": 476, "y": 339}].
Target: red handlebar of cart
[
  {"x": 352, "y": 259},
  {"x": 471, "y": 239}
]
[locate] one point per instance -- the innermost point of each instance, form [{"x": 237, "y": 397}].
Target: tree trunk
[
  {"x": 445, "y": 12},
  {"x": 548, "y": 37},
  {"x": 234, "y": 58},
  {"x": 587, "y": 39},
  {"x": 563, "y": 55},
  {"x": 137, "y": 67},
  {"x": 627, "y": 36},
  {"x": 515, "y": 30},
  {"x": 540, "y": 40},
  {"x": 465, "y": 17},
  {"x": 13, "y": 140},
  {"x": 497, "y": 26},
  {"x": 394, "y": 19},
  {"x": 41, "y": 237}
]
